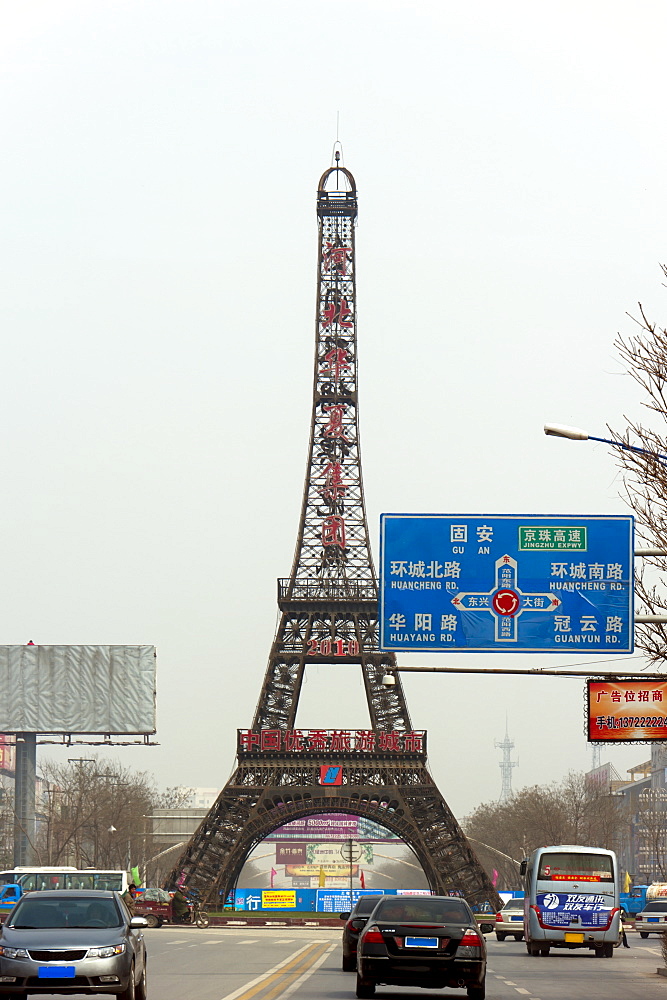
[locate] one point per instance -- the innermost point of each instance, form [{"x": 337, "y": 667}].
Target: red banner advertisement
[
  {"x": 339, "y": 741},
  {"x": 627, "y": 711}
]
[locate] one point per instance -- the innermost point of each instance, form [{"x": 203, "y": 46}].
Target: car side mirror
[
  {"x": 138, "y": 922},
  {"x": 344, "y": 916},
  {"x": 522, "y": 867}
]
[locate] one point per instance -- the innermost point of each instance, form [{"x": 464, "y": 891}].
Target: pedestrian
[{"x": 129, "y": 897}]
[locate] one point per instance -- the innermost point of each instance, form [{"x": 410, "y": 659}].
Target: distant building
[
  {"x": 202, "y": 798},
  {"x": 643, "y": 851},
  {"x": 172, "y": 828}
]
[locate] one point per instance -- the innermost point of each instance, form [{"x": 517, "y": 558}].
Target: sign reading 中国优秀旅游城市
[
  {"x": 302, "y": 742},
  {"x": 506, "y": 583}
]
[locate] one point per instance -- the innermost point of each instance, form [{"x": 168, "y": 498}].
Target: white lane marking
[
  {"x": 302, "y": 979},
  {"x": 508, "y": 983},
  {"x": 519, "y": 990},
  {"x": 249, "y": 941},
  {"x": 178, "y": 941},
  {"x": 265, "y": 975},
  {"x": 285, "y": 941}
]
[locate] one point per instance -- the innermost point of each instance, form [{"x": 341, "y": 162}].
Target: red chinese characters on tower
[
  {"x": 336, "y": 258},
  {"x": 340, "y": 740},
  {"x": 333, "y": 531},
  {"x": 248, "y": 740},
  {"x": 271, "y": 739},
  {"x": 365, "y": 740},
  {"x": 318, "y": 739},
  {"x": 334, "y": 428},
  {"x": 390, "y": 742},
  {"x": 334, "y": 487},
  {"x": 335, "y": 312},
  {"x": 336, "y": 362},
  {"x": 294, "y": 740},
  {"x": 413, "y": 742}
]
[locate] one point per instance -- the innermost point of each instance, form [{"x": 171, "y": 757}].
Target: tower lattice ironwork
[
  {"x": 329, "y": 615},
  {"x": 506, "y": 765}
]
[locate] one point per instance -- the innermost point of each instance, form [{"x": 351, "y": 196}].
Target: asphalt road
[{"x": 304, "y": 964}]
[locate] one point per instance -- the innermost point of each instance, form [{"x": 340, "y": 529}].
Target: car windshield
[
  {"x": 442, "y": 911},
  {"x": 366, "y": 904},
  {"x": 513, "y": 904},
  {"x": 82, "y": 911},
  {"x": 659, "y": 906},
  {"x": 570, "y": 866}
]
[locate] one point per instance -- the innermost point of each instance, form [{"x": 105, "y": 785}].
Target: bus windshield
[
  {"x": 566, "y": 866},
  {"x": 35, "y": 879}
]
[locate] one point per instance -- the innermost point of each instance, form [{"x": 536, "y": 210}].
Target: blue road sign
[{"x": 506, "y": 583}]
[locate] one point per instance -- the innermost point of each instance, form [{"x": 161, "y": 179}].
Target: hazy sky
[{"x": 159, "y": 168}]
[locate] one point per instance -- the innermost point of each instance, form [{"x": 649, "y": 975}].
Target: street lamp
[{"x": 576, "y": 434}]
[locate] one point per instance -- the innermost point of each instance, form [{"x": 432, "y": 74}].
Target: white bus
[
  {"x": 33, "y": 879},
  {"x": 572, "y": 900}
]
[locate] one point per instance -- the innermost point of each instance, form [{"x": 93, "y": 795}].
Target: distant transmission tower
[{"x": 506, "y": 765}]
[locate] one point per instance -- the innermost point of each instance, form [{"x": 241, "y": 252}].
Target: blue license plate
[
  {"x": 415, "y": 942},
  {"x": 653, "y": 920},
  {"x": 56, "y": 972},
  {"x": 517, "y": 918}
]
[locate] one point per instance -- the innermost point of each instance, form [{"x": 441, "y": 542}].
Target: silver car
[
  {"x": 652, "y": 919},
  {"x": 72, "y": 941},
  {"x": 509, "y": 920}
]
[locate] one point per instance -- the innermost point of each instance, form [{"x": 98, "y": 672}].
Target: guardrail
[{"x": 327, "y": 590}]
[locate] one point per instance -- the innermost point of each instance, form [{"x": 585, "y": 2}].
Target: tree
[
  {"x": 93, "y": 815},
  {"x": 645, "y": 475},
  {"x": 574, "y": 811}
]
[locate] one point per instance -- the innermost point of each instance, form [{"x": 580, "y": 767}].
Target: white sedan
[{"x": 652, "y": 919}]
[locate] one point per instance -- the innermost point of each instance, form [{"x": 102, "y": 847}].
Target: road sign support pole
[{"x": 24, "y": 799}]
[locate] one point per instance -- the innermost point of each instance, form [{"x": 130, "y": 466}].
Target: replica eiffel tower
[{"x": 329, "y": 614}]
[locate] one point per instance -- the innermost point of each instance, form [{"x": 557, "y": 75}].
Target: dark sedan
[
  {"x": 428, "y": 941},
  {"x": 72, "y": 941},
  {"x": 354, "y": 921}
]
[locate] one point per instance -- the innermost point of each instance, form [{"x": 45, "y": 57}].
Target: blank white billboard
[{"x": 77, "y": 689}]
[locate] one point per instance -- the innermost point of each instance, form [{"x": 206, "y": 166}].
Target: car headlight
[
  {"x": 13, "y": 952},
  {"x": 108, "y": 952}
]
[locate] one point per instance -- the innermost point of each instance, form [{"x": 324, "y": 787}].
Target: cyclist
[{"x": 180, "y": 907}]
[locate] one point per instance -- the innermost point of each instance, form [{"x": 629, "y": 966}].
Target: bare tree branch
[{"x": 645, "y": 476}]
